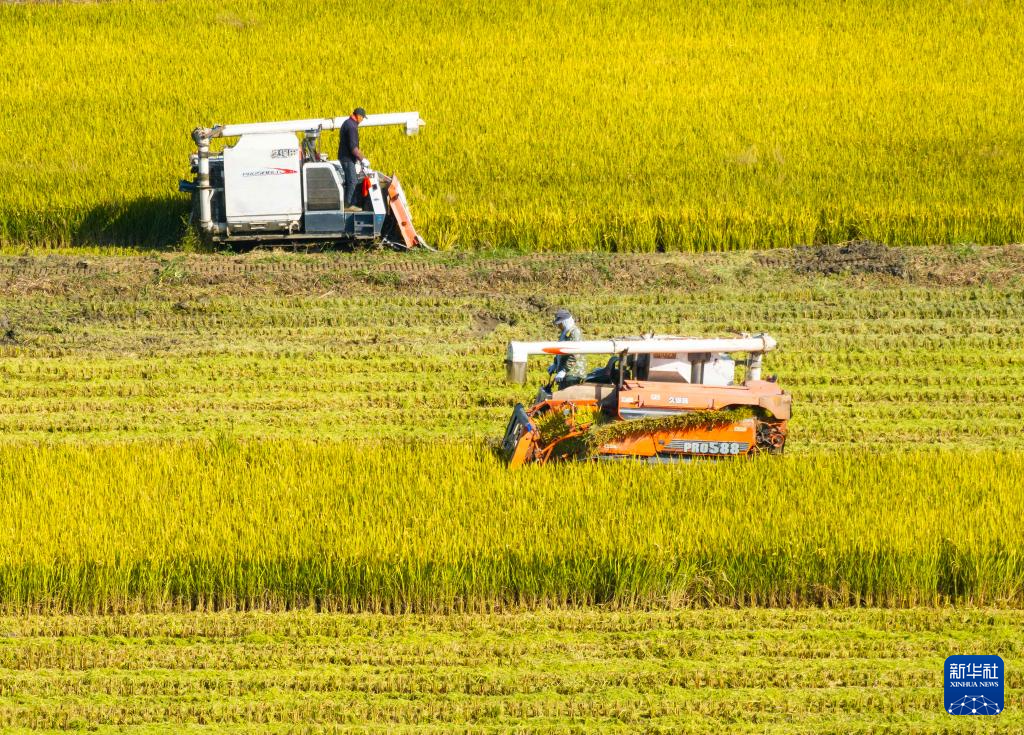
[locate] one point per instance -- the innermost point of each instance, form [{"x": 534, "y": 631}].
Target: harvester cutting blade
[
  {"x": 517, "y": 441},
  {"x": 399, "y": 207}
]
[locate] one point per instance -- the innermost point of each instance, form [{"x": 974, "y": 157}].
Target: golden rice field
[
  {"x": 706, "y": 671},
  {"x": 683, "y": 125},
  {"x": 256, "y": 494},
  {"x": 446, "y": 528},
  {"x": 291, "y": 431},
  {"x": 259, "y": 493}
]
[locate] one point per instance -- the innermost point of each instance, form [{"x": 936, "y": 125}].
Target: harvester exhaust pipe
[{"x": 754, "y": 365}]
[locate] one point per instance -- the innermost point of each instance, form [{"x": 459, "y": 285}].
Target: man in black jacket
[{"x": 349, "y": 154}]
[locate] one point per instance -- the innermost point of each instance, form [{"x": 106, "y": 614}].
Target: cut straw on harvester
[{"x": 617, "y": 430}]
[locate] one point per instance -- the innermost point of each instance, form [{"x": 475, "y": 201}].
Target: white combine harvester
[{"x": 272, "y": 187}]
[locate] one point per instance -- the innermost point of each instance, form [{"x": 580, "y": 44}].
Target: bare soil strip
[{"x": 263, "y": 272}]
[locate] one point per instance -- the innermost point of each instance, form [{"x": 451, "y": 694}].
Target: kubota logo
[{"x": 270, "y": 172}]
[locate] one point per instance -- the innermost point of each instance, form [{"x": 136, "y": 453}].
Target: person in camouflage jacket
[{"x": 568, "y": 370}]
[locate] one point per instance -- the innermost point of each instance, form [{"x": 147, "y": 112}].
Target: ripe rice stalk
[{"x": 401, "y": 527}]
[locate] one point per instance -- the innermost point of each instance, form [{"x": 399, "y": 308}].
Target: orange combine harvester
[{"x": 658, "y": 399}]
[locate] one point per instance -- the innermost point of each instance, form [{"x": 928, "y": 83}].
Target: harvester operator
[
  {"x": 568, "y": 370},
  {"x": 350, "y": 154}
]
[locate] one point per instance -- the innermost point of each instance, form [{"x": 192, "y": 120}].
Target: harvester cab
[
  {"x": 272, "y": 187},
  {"x": 657, "y": 399}
]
